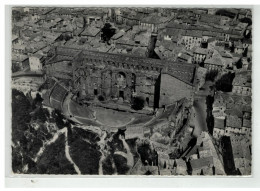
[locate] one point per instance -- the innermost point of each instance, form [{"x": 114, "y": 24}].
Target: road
[{"x": 200, "y": 107}]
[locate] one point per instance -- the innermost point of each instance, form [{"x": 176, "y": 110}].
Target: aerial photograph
[{"x": 160, "y": 91}]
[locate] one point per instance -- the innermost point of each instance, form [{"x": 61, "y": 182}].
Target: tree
[
  {"x": 225, "y": 82},
  {"x": 41, "y": 115},
  {"x": 37, "y": 101},
  {"x": 101, "y": 98},
  {"x": 107, "y": 32},
  {"x": 137, "y": 103},
  {"x": 59, "y": 118},
  {"x": 225, "y": 12},
  {"x": 210, "y": 76},
  {"x": 21, "y": 108},
  {"x": 246, "y": 20}
]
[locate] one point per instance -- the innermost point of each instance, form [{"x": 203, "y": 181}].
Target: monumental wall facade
[{"x": 121, "y": 77}]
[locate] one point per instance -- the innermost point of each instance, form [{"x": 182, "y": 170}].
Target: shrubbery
[
  {"x": 101, "y": 98},
  {"x": 225, "y": 82},
  {"x": 137, "y": 103},
  {"x": 107, "y": 32},
  {"x": 211, "y": 75}
]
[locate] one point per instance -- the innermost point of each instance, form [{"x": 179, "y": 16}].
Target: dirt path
[
  {"x": 52, "y": 140},
  {"x": 128, "y": 155},
  {"x": 67, "y": 153},
  {"x": 201, "y": 115},
  {"x": 49, "y": 142},
  {"x": 102, "y": 144}
]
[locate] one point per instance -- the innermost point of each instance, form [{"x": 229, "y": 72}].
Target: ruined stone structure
[{"x": 121, "y": 77}]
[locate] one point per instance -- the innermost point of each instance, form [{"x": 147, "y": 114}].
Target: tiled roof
[
  {"x": 180, "y": 162},
  {"x": 240, "y": 146},
  {"x": 184, "y": 56},
  {"x": 139, "y": 51},
  {"x": 238, "y": 44},
  {"x": 247, "y": 41},
  {"x": 199, "y": 50},
  {"x": 235, "y": 111},
  {"x": 234, "y": 121},
  {"x": 247, "y": 123},
  {"x": 214, "y": 61},
  {"x": 19, "y": 47},
  {"x": 242, "y": 79},
  {"x": 209, "y": 33},
  {"x": 143, "y": 38},
  {"x": 193, "y": 33},
  {"x": 219, "y": 123},
  {"x": 14, "y": 37},
  {"x": 173, "y": 32},
  {"x": 118, "y": 35},
  {"x": 90, "y": 31},
  {"x": 19, "y": 57},
  {"x": 210, "y": 18},
  {"x": 201, "y": 163},
  {"x": 154, "y": 19}
]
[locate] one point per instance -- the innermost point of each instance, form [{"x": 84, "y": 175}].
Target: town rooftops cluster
[{"x": 200, "y": 30}]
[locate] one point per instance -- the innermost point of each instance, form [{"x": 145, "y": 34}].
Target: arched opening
[
  {"x": 163, "y": 106},
  {"x": 95, "y": 91},
  {"x": 147, "y": 100},
  {"x": 133, "y": 80},
  {"x": 121, "y": 94},
  {"x": 121, "y": 80}
]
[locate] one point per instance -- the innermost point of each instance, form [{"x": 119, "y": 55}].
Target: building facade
[{"x": 120, "y": 78}]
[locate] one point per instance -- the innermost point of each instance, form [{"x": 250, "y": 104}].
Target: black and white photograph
[{"x": 163, "y": 91}]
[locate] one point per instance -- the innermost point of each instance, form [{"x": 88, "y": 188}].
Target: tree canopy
[
  {"x": 107, "y": 32},
  {"x": 225, "y": 82},
  {"x": 137, "y": 103}
]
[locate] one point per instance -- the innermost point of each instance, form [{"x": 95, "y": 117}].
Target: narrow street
[
  {"x": 151, "y": 53},
  {"x": 200, "y": 107}
]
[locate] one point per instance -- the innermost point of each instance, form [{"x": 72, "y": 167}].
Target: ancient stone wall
[
  {"x": 112, "y": 76},
  {"x": 173, "y": 89}
]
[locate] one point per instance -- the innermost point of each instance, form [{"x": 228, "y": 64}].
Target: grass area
[
  {"x": 80, "y": 111},
  {"x": 87, "y": 122},
  {"x": 141, "y": 119},
  {"x": 113, "y": 118}
]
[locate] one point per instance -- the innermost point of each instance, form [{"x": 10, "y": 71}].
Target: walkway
[
  {"x": 128, "y": 155},
  {"x": 200, "y": 108},
  {"x": 52, "y": 140}
]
